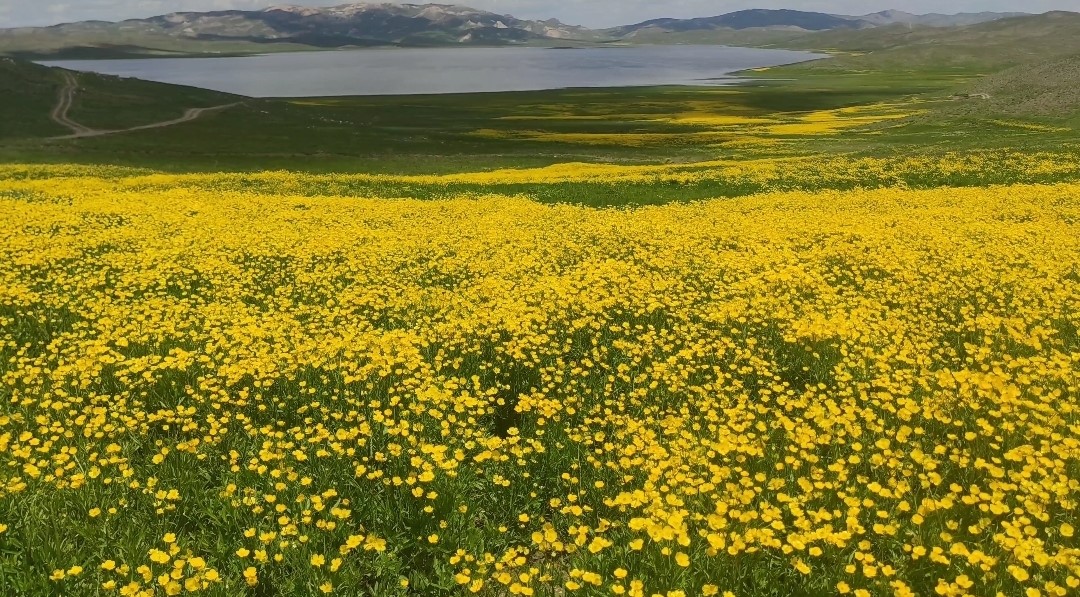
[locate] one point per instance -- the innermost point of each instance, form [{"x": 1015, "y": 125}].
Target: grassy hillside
[
  {"x": 447, "y": 132},
  {"x": 981, "y": 48},
  {"x": 29, "y": 91},
  {"x": 984, "y": 48},
  {"x": 108, "y": 102},
  {"x": 1024, "y": 67},
  {"x": 1041, "y": 90},
  {"x": 875, "y": 128},
  {"x": 26, "y": 92}
]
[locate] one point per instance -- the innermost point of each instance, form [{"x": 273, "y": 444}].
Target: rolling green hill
[
  {"x": 1045, "y": 89},
  {"x": 980, "y": 48},
  {"x": 986, "y": 47},
  {"x": 1026, "y": 67},
  {"x": 28, "y": 92}
]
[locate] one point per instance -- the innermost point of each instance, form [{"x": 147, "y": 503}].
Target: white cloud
[{"x": 585, "y": 12}]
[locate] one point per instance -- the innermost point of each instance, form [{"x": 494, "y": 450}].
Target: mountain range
[
  {"x": 805, "y": 21},
  {"x": 370, "y": 24},
  {"x": 893, "y": 17}
]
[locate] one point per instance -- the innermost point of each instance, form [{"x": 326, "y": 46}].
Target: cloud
[{"x": 594, "y": 13}]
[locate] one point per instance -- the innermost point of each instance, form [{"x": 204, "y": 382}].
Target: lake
[{"x": 446, "y": 70}]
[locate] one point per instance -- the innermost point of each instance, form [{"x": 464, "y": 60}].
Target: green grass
[
  {"x": 436, "y": 133},
  {"x": 107, "y": 103},
  {"x": 439, "y": 134},
  {"x": 28, "y": 93}
]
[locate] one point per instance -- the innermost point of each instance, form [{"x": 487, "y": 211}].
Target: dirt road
[
  {"x": 60, "y": 111},
  {"x": 67, "y": 97}
]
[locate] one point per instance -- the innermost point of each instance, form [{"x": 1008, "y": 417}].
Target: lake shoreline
[{"x": 428, "y": 71}]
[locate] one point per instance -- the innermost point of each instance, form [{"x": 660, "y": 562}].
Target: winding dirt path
[
  {"x": 59, "y": 114},
  {"x": 63, "y": 104}
]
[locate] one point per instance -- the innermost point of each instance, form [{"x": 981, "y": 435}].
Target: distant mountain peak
[
  {"x": 893, "y": 13},
  {"x": 291, "y": 8}
]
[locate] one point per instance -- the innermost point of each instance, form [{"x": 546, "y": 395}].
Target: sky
[{"x": 591, "y": 13}]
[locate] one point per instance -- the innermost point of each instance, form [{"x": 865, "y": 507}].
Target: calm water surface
[{"x": 447, "y": 70}]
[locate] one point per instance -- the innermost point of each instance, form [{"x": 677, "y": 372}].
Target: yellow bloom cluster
[
  {"x": 720, "y": 120},
  {"x": 830, "y": 122},
  {"x": 786, "y": 173},
  {"x": 636, "y": 139},
  {"x": 1030, "y": 126},
  {"x": 867, "y": 392}
]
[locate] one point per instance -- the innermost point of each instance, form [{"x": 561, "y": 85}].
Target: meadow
[{"x": 817, "y": 338}]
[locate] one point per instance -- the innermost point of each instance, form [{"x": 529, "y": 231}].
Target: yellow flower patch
[{"x": 851, "y": 392}]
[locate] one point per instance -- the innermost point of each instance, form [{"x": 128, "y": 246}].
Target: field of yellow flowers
[{"x": 233, "y": 389}]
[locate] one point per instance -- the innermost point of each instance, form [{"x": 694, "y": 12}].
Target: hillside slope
[
  {"x": 29, "y": 91},
  {"x": 1026, "y": 68},
  {"x": 26, "y": 91},
  {"x": 984, "y": 48},
  {"x": 1047, "y": 89}
]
